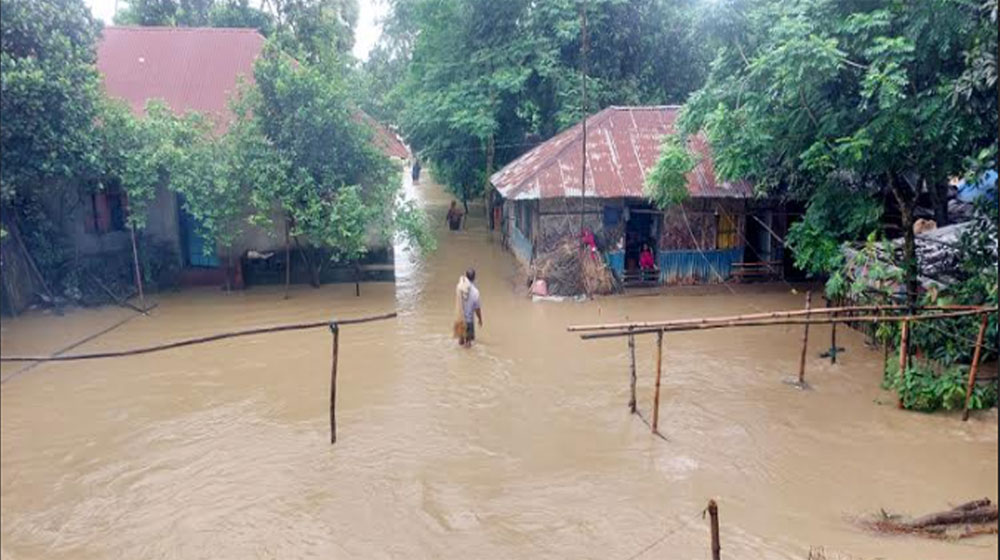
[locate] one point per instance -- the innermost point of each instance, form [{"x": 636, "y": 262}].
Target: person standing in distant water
[
  {"x": 467, "y": 308},
  {"x": 454, "y": 217},
  {"x": 416, "y": 170}
]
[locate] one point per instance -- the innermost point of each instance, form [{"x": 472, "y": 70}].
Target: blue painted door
[{"x": 194, "y": 243}]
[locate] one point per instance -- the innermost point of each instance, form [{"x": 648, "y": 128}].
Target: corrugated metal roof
[
  {"x": 385, "y": 139},
  {"x": 192, "y": 69},
  {"x": 189, "y": 68},
  {"x": 623, "y": 144}
]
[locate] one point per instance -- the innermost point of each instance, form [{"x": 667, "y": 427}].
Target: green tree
[
  {"x": 840, "y": 103},
  {"x": 48, "y": 92},
  {"x": 486, "y": 81},
  {"x": 195, "y": 13},
  {"x": 239, "y": 13},
  {"x": 666, "y": 184},
  {"x": 304, "y": 152}
]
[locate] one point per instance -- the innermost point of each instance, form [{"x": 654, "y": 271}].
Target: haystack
[{"x": 566, "y": 274}]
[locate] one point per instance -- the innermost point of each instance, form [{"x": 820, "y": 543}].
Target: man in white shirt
[{"x": 470, "y": 307}]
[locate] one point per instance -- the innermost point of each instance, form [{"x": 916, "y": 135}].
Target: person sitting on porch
[
  {"x": 587, "y": 237},
  {"x": 646, "y": 260}
]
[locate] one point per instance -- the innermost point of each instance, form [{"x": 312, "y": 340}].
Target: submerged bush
[{"x": 927, "y": 390}]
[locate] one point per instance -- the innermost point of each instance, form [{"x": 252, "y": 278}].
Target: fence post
[
  {"x": 713, "y": 514},
  {"x": 833, "y": 339},
  {"x": 659, "y": 369},
  {"x": 335, "y": 329},
  {"x": 631, "y": 353},
  {"x": 904, "y": 338},
  {"x": 805, "y": 342},
  {"x": 975, "y": 365}
]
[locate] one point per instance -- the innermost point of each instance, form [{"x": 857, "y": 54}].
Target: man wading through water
[
  {"x": 454, "y": 217},
  {"x": 467, "y": 305}
]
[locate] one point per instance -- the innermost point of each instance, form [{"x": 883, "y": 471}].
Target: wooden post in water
[
  {"x": 904, "y": 337},
  {"x": 357, "y": 280},
  {"x": 833, "y": 341},
  {"x": 659, "y": 370},
  {"x": 713, "y": 514},
  {"x": 288, "y": 258},
  {"x": 805, "y": 342},
  {"x": 335, "y": 329},
  {"x": 135, "y": 260},
  {"x": 631, "y": 354},
  {"x": 975, "y": 366}
]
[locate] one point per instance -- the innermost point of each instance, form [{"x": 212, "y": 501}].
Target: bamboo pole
[
  {"x": 975, "y": 366},
  {"x": 15, "y": 230},
  {"x": 123, "y": 302},
  {"x": 631, "y": 352},
  {"x": 653, "y": 325},
  {"x": 659, "y": 371},
  {"x": 335, "y": 329},
  {"x": 198, "y": 340},
  {"x": 713, "y": 514},
  {"x": 288, "y": 259},
  {"x": 805, "y": 342},
  {"x": 135, "y": 261},
  {"x": 833, "y": 340},
  {"x": 904, "y": 337},
  {"x": 76, "y": 344},
  {"x": 357, "y": 280},
  {"x": 729, "y": 323}
]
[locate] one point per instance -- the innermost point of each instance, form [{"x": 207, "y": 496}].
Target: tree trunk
[
  {"x": 288, "y": 258},
  {"x": 231, "y": 273},
  {"x": 910, "y": 269},
  {"x": 939, "y": 198},
  {"x": 316, "y": 268}
]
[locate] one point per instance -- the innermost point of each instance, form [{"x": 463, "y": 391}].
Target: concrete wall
[{"x": 74, "y": 208}]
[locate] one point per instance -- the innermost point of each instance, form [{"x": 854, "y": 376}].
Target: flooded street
[{"x": 522, "y": 447}]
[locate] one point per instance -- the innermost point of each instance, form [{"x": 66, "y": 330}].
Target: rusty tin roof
[{"x": 623, "y": 144}]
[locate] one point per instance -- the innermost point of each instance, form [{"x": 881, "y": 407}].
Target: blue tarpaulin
[{"x": 970, "y": 191}]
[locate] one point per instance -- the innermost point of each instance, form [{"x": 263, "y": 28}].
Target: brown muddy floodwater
[{"x": 521, "y": 447}]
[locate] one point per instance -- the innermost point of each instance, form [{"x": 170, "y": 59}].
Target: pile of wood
[
  {"x": 978, "y": 517},
  {"x": 566, "y": 274}
]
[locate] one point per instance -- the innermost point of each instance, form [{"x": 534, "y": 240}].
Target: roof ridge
[
  {"x": 177, "y": 29},
  {"x": 643, "y": 107}
]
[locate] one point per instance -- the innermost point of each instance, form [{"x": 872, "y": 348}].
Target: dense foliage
[
  {"x": 303, "y": 151},
  {"x": 48, "y": 92},
  {"x": 666, "y": 184},
  {"x": 299, "y": 150},
  {"x": 840, "y": 104},
  {"x": 474, "y": 84},
  {"x": 309, "y": 29}
]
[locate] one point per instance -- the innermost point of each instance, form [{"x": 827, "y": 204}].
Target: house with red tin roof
[
  {"x": 722, "y": 230},
  {"x": 201, "y": 70}
]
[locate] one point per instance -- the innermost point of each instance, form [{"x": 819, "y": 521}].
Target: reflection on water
[{"x": 521, "y": 447}]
